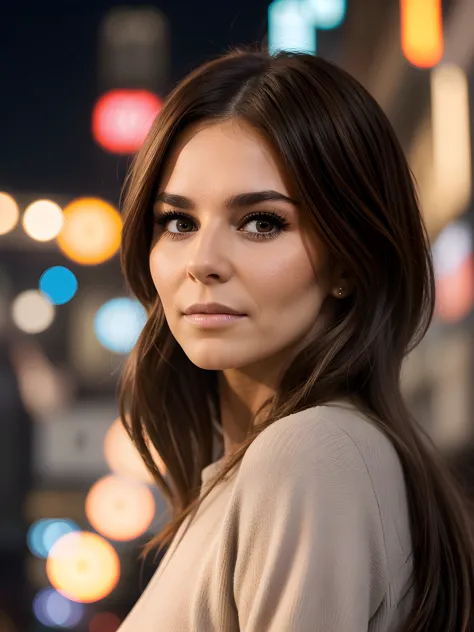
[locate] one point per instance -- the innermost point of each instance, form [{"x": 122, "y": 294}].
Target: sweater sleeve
[{"x": 310, "y": 553}]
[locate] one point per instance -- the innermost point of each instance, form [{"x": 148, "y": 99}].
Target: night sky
[{"x": 49, "y": 82}]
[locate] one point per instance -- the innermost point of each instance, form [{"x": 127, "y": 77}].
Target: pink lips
[
  {"x": 213, "y": 320},
  {"x": 211, "y": 308},
  {"x": 212, "y": 315}
]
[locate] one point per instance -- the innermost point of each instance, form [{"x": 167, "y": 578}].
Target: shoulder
[
  {"x": 329, "y": 456},
  {"x": 336, "y": 435},
  {"x": 329, "y": 481}
]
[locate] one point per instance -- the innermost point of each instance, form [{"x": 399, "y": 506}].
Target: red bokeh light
[
  {"x": 455, "y": 293},
  {"x": 104, "y": 622},
  {"x": 121, "y": 119}
]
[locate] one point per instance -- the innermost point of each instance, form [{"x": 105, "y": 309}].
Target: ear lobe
[{"x": 344, "y": 284}]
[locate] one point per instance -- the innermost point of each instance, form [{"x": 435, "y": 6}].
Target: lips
[
  {"x": 211, "y": 308},
  {"x": 213, "y": 321}
]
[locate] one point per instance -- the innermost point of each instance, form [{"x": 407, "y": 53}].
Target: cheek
[
  {"x": 290, "y": 297},
  {"x": 164, "y": 275},
  {"x": 287, "y": 280},
  {"x": 155, "y": 270},
  {"x": 164, "y": 272}
]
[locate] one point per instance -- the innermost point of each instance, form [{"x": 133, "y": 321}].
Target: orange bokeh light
[
  {"x": 422, "y": 32},
  {"x": 83, "y": 566},
  {"x": 120, "y": 508},
  {"x": 124, "y": 459},
  {"x": 91, "y": 231},
  {"x": 122, "y": 119}
]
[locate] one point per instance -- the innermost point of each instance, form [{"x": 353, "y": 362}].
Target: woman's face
[{"x": 263, "y": 267}]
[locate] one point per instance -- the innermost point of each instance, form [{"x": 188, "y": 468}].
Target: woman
[{"x": 275, "y": 187}]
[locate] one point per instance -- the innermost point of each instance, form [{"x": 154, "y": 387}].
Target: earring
[{"x": 340, "y": 292}]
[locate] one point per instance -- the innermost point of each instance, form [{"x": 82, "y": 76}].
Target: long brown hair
[{"x": 358, "y": 194}]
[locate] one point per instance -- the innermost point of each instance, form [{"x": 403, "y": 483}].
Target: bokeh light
[
  {"x": 124, "y": 459},
  {"x": 455, "y": 293},
  {"x": 452, "y": 247},
  {"x": 44, "y": 533},
  {"x": 104, "y": 622},
  {"x": 55, "y": 610},
  {"x": 293, "y": 24},
  {"x": 6, "y": 623},
  {"x": 59, "y": 284},
  {"x": 43, "y": 220},
  {"x": 83, "y": 566},
  {"x": 32, "y": 312},
  {"x": 120, "y": 508},
  {"x": 122, "y": 118},
  {"x": 454, "y": 270},
  {"x": 326, "y": 14},
  {"x": 9, "y": 213},
  {"x": 91, "y": 231},
  {"x": 422, "y": 31},
  {"x": 451, "y": 142},
  {"x": 118, "y": 323},
  {"x": 45, "y": 388},
  {"x": 289, "y": 28}
]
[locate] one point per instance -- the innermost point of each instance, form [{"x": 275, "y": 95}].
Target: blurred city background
[{"x": 80, "y": 86}]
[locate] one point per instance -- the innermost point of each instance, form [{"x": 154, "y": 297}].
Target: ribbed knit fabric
[{"x": 309, "y": 533}]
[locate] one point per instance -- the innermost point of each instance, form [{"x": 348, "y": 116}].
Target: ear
[{"x": 343, "y": 284}]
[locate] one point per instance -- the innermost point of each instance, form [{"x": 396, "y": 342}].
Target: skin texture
[{"x": 280, "y": 284}]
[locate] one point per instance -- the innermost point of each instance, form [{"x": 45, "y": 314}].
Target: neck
[{"x": 241, "y": 393}]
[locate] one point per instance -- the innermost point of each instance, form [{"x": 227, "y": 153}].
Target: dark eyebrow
[{"x": 240, "y": 200}]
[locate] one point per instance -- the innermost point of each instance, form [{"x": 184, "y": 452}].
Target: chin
[
  {"x": 218, "y": 359},
  {"x": 212, "y": 366},
  {"x": 210, "y": 363}
]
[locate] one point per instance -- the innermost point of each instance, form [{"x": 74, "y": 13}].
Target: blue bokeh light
[
  {"x": 289, "y": 28},
  {"x": 118, "y": 323},
  {"x": 59, "y": 284},
  {"x": 293, "y": 24},
  {"x": 54, "y": 610},
  {"x": 326, "y": 14},
  {"x": 44, "y": 533}
]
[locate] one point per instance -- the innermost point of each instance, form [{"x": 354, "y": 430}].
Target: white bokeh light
[
  {"x": 9, "y": 213},
  {"x": 32, "y": 312},
  {"x": 43, "y": 220},
  {"x": 452, "y": 247}
]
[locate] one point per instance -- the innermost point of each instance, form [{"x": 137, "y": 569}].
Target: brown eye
[
  {"x": 263, "y": 225},
  {"x": 268, "y": 225},
  {"x": 183, "y": 223}
]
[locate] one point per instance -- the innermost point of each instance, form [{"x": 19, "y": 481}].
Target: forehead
[{"x": 224, "y": 156}]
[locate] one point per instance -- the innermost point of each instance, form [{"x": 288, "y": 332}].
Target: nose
[{"x": 209, "y": 255}]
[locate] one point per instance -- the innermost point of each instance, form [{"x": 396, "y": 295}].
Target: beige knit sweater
[{"x": 309, "y": 533}]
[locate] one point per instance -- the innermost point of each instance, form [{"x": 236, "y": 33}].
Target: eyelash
[{"x": 282, "y": 224}]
